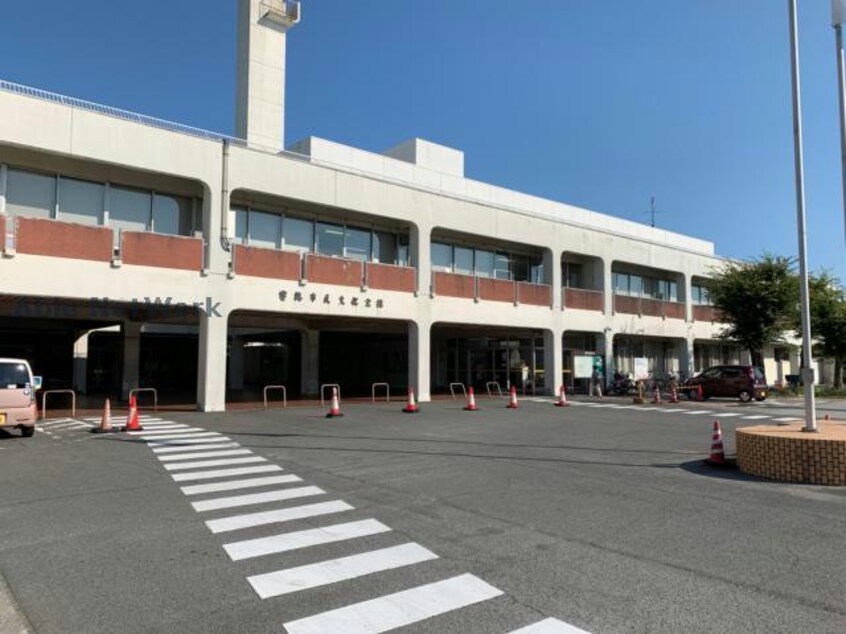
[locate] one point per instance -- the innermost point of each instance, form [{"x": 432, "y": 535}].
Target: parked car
[
  {"x": 741, "y": 381},
  {"x": 17, "y": 396}
]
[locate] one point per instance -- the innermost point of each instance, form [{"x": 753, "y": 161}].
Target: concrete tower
[{"x": 260, "y": 81}]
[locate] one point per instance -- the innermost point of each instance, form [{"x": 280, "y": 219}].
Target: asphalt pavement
[{"x": 599, "y": 516}]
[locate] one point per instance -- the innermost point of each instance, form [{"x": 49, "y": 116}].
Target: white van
[{"x": 17, "y": 396}]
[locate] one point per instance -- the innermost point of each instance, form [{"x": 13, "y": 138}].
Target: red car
[{"x": 739, "y": 381}]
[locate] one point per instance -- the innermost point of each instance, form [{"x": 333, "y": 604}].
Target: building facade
[{"x": 139, "y": 252}]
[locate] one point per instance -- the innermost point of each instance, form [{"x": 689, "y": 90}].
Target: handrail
[
  {"x": 452, "y": 389},
  {"x": 276, "y": 387},
  {"x": 387, "y": 391},
  {"x": 147, "y": 389},
  {"x": 323, "y": 392},
  {"x": 44, "y": 401},
  {"x": 498, "y": 388}
]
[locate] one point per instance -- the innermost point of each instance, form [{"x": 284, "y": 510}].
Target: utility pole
[{"x": 838, "y": 17}]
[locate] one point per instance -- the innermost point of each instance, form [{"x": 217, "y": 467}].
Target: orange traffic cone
[
  {"x": 335, "y": 407},
  {"x": 674, "y": 394},
  {"x": 512, "y": 403},
  {"x": 700, "y": 396},
  {"x": 718, "y": 454},
  {"x": 471, "y": 401},
  {"x": 827, "y": 417},
  {"x": 411, "y": 407},
  {"x": 656, "y": 398},
  {"x": 132, "y": 423},
  {"x": 562, "y": 398},
  {"x": 106, "y": 421}
]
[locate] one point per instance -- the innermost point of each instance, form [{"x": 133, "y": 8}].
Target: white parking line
[
  {"x": 234, "y": 485},
  {"x": 223, "y": 473},
  {"x": 250, "y": 520},
  {"x": 213, "y": 463},
  {"x": 399, "y": 609},
  {"x": 205, "y": 454},
  {"x": 550, "y": 626},
  {"x": 256, "y": 498},
  {"x": 303, "y": 539},
  {"x": 175, "y": 447},
  {"x": 274, "y": 584}
]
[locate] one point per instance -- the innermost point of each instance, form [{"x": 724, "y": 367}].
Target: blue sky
[{"x": 598, "y": 104}]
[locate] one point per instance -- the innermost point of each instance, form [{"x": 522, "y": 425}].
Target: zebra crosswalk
[
  {"x": 685, "y": 411},
  {"x": 217, "y": 464}
]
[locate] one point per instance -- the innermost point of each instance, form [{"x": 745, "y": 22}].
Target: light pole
[
  {"x": 807, "y": 366},
  {"x": 838, "y": 17}
]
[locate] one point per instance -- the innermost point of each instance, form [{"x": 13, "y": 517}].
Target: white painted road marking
[
  {"x": 175, "y": 447},
  {"x": 786, "y": 419},
  {"x": 237, "y": 522},
  {"x": 698, "y": 412},
  {"x": 303, "y": 539},
  {"x": 755, "y": 417},
  {"x": 256, "y": 498},
  {"x": 213, "y": 463},
  {"x": 233, "y": 485},
  {"x": 274, "y": 584},
  {"x": 148, "y": 428},
  {"x": 729, "y": 415},
  {"x": 205, "y": 454},
  {"x": 177, "y": 443},
  {"x": 177, "y": 436},
  {"x": 399, "y": 609},
  {"x": 550, "y": 626},
  {"x": 223, "y": 473}
]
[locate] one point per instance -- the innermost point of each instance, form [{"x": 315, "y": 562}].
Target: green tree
[
  {"x": 758, "y": 301},
  {"x": 828, "y": 320}
]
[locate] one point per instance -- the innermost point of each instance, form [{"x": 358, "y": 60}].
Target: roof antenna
[{"x": 652, "y": 211}]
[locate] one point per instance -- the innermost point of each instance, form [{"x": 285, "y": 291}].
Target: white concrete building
[{"x": 143, "y": 252}]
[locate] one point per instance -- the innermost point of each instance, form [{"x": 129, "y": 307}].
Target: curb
[{"x": 12, "y": 620}]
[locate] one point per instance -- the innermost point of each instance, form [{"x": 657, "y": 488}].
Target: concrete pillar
[
  {"x": 553, "y": 358},
  {"x": 552, "y": 273},
  {"x": 310, "y": 362},
  {"x": 235, "y": 376},
  {"x": 211, "y": 362},
  {"x": 419, "y": 359},
  {"x": 80, "y": 363},
  {"x": 420, "y": 250},
  {"x": 131, "y": 357},
  {"x": 607, "y": 341},
  {"x": 686, "y": 295},
  {"x": 608, "y": 286},
  {"x": 687, "y": 359}
]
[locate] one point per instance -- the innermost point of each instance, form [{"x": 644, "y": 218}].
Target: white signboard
[
  {"x": 583, "y": 367},
  {"x": 641, "y": 368}
]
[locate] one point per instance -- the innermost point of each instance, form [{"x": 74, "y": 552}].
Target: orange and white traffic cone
[
  {"x": 132, "y": 423},
  {"x": 512, "y": 402},
  {"x": 411, "y": 407},
  {"x": 471, "y": 401},
  {"x": 335, "y": 406},
  {"x": 656, "y": 397},
  {"x": 562, "y": 398},
  {"x": 700, "y": 396},
  {"x": 718, "y": 454},
  {"x": 674, "y": 394},
  {"x": 106, "y": 421}
]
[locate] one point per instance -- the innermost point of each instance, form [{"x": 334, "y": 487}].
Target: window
[
  {"x": 330, "y": 239},
  {"x": 484, "y": 263},
  {"x": 241, "y": 226},
  {"x": 13, "y": 376},
  {"x": 299, "y": 234},
  {"x": 463, "y": 260},
  {"x": 170, "y": 213},
  {"x": 573, "y": 275},
  {"x": 502, "y": 266},
  {"x": 520, "y": 268},
  {"x": 537, "y": 271},
  {"x": 701, "y": 295},
  {"x": 357, "y": 244},
  {"x": 264, "y": 229},
  {"x": 403, "y": 251},
  {"x": 385, "y": 247},
  {"x": 80, "y": 201},
  {"x": 129, "y": 209},
  {"x": 441, "y": 257},
  {"x": 29, "y": 194}
]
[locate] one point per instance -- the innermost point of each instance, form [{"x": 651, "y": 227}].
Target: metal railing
[
  {"x": 452, "y": 389},
  {"x": 323, "y": 392},
  {"x": 387, "y": 392},
  {"x": 155, "y": 393},
  {"x": 498, "y": 388},
  {"x": 44, "y": 401},
  {"x": 267, "y": 388}
]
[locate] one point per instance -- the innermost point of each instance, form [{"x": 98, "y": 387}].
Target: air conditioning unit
[{"x": 281, "y": 13}]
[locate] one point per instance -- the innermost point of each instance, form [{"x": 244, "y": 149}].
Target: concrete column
[
  {"x": 687, "y": 294},
  {"x": 607, "y": 340},
  {"x": 211, "y": 362},
  {"x": 80, "y": 363},
  {"x": 552, "y": 273},
  {"x": 687, "y": 359},
  {"x": 553, "y": 358},
  {"x": 235, "y": 377},
  {"x": 608, "y": 286},
  {"x": 131, "y": 357},
  {"x": 419, "y": 359},
  {"x": 420, "y": 250},
  {"x": 310, "y": 362},
  {"x": 4, "y": 172}
]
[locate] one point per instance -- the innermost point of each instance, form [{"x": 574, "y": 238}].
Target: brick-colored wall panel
[
  {"x": 162, "y": 251},
  {"x": 534, "y": 294},
  {"x": 391, "y": 278},
  {"x": 38, "y": 236},
  {"x": 583, "y": 299},
  {"x": 496, "y": 290},
  {"x": 328, "y": 270},
  {"x": 453, "y": 285},
  {"x": 627, "y": 305},
  {"x": 704, "y": 313},
  {"x": 674, "y": 310},
  {"x": 269, "y": 263}
]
